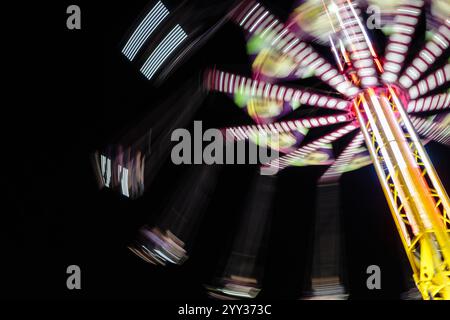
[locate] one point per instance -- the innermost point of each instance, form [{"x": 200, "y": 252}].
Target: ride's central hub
[{"x": 391, "y": 96}]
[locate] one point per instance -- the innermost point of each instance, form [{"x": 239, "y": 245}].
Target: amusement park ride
[{"x": 382, "y": 101}]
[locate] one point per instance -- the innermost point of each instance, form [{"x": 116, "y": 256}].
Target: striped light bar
[
  {"x": 173, "y": 39},
  {"x": 256, "y": 19},
  {"x": 435, "y": 130},
  {"x": 357, "y": 43},
  {"x": 345, "y": 158},
  {"x": 406, "y": 19},
  {"x": 229, "y": 83},
  {"x": 244, "y": 132},
  {"x": 433, "y": 81},
  {"x": 301, "y": 153},
  {"x": 430, "y": 103},
  {"x": 105, "y": 167},
  {"x": 427, "y": 56},
  {"x": 143, "y": 31},
  {"x": 122, "y": 174}
]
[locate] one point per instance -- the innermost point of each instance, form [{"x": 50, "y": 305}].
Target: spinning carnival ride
[{"x": 387, "y": 104}]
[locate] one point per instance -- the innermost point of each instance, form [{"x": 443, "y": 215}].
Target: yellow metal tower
[{"x": 418, "y": 202}]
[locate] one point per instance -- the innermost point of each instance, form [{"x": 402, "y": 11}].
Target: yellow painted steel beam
[{"x": 418, "y": 202}]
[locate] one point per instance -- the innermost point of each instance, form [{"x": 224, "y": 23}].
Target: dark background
[{"x": 72, "y": 91}]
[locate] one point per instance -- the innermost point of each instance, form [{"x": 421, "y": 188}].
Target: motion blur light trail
[
  {"x": 169, "y": 240},
  {"x": 242, "y": 274},
  {"x": 327, "y": 278},
  {"x": 386, "y": 106},
  {"x": 130, "y": 163}
]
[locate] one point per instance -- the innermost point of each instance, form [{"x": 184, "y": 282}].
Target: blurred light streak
[
  {"x": 242, "y": 273},
  {"x": 303, "y": 152},
  {"x": 405, "y": 22},
  {"x": 435, "y": 80},
  {"x": 433, "y": 49},
  {"x": 430, "y": 103},
  {"x": 231, "y": 84},
  {"x": 435, "y": 128},
  {"x": 164, "y": 49},
  {"x": 350, "y": 159},
  {"x": 143, "y": 31},
  {"x": 283, "y": 40},
  {"x": 327, "y": 266},
  {"x": 288, "y": 126},
  {"x": 169, "y": 240}
]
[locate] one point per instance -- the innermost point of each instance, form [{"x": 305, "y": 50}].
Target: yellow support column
[{"x": 416, "y": 197}]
